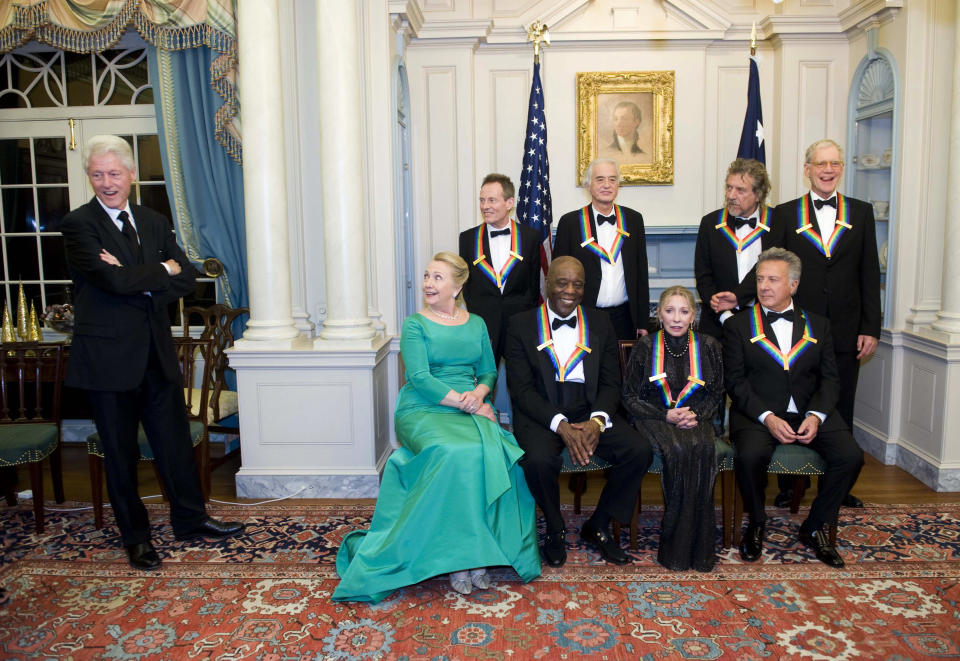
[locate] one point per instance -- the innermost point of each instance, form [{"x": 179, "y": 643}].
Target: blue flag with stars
[
  {"x": 534, "y": 205},
  {"x": 751, "y": 139}
]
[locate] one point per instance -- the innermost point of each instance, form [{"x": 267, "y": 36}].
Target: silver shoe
[
  {"x": 460, "y": 581},
  {"x": 480, "y": 579}
]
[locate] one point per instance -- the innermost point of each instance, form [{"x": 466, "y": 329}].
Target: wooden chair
[
  {"x": 578, "y": 485},
  {"x": 724, "y": 454},
  {"x": 31, "y": 379},
  {"x": 217, "y": 321},
  {"x": 196, "y": 368}
]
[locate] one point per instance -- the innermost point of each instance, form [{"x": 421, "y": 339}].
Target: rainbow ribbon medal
[
  {"x": 731, "y": 234},
  {"x": 545, "y": 337},
  {"x": 591, "y": 244},
  {"x": 787, "y": 359},
  {"x": 512, "y": 259},
  {"x": 841, "y": 225},
  {"x": 659, "y": 375}
]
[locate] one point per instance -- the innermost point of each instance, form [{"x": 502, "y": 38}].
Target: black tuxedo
[
  {"x": 715, "y": 268},
  {"x": 520, "y": 292},
  {"x": 123, "y": 355},
  {"x": 537, "y": 399},
  {"x": 757, "y": 382},
  {"x": 845, "y": 287},
  {"x": 633, "y": 257}
]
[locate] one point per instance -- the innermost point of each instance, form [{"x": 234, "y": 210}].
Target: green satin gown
[{"x": 453, "y": 496}]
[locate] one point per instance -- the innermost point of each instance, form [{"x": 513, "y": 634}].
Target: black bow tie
[
  {"x": 571, "y": 322},
  {"x": 739, "y": 222},
  {"x": 819, "y": 204},
  {"x": 773, "y": 316},
  {"x": 606, "y": 219},
  {"x": 496, "y": 233}
]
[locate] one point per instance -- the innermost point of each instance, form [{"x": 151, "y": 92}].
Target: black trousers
[
  {"x": 849, "y": 370},
  {"x": 754, "y": 448},
  {"x": 622, "y": 321},
  {"x": 159, "y": 406},
  {"x": 621, "y": 445}
]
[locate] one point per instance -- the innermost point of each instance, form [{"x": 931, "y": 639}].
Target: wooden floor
[{"x": 877, "y": 484}]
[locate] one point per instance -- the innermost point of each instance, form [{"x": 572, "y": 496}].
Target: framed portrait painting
[{"x": 627, "y": 116}]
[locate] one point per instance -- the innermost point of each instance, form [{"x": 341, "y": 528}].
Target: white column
[
  {"x": 341, "y": 147},
  {"x": 264, "y": 172},
  {"x": 948, "y": 318}
]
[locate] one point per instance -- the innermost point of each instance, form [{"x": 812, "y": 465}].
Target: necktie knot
[
  {"x": 495, "y": 233},
  {"x": 819, "y": 204},
  {"x": 606, "y": 219},
  {"x": 739, "y": 222},
  {"x": 571, "y": 322},
  {"x": 773, "y": 316}
]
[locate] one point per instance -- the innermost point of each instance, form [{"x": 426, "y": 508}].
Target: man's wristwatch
[{"x": 600, "y": 423}]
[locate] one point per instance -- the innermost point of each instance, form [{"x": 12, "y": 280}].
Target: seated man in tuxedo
[
  {"x": 564, "y": 379},
  {"x": 781, "y": 374}
]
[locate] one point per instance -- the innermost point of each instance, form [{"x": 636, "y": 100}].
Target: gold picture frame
[{"x": 627, "y": 116}]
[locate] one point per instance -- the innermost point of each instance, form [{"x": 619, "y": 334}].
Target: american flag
[
  {"x": 534, "y": 205},
  {"x": 751, "y": 139}
]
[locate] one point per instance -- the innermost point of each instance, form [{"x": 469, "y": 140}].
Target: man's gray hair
[
  {"x": 588, "y": 173},
  {"x": 100, "y": 145},
  {"x": 794, "y": 266},
  {"x": 819, "y": 144}
]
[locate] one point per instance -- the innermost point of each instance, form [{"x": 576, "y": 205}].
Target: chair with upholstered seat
[
  {"x": 790, "y": 459},
  {"x": 724, "y": 454},
  {"x": 196, "y": 369},
  {"x": 31, "y": 378}
]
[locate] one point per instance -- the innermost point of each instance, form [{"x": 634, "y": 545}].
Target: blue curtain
[{"x": 204, "y": 182}]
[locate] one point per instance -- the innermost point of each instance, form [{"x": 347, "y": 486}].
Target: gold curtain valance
[{"x": 84, "y": 26}]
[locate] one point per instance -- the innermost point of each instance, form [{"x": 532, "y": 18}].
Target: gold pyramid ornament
[
  {"x": 7, "y": 333},
  {"x": 34, "y": 334},
  {"x": 22, "y": 329}
]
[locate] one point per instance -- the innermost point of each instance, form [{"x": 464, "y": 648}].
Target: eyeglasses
[{"x": 822, "y": 164}]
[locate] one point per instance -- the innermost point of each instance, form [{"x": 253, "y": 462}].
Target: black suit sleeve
[
  {"x": 179, "y": 285},
  {"x": 466, "y": 255},
  {"x": 564, "y": 241},
  {"x": 703, "y": 263},
  {"x": 643, "y": 277},
  {"x": 532, "y": 257},
  {"x": 83, "y": 244},
  {"x": 870, "y": 317},
  {"x": 735, "y": 371}
]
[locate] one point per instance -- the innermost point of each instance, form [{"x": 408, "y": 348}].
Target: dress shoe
[
  {"x": 783, "y": 499},
  {"x": 751, "y": 546},
  {"x": 480, "y": 578},
  {"x": 460, "y": 581},
  {"x": 211, "y": 528},
  {"x": 554, "y": 549},
  {"x": 826, "y": 553},
  {"x": 851, "y": 501},
  {"x": 143, "y": 556},
  {"x": 603, "y": 542}
]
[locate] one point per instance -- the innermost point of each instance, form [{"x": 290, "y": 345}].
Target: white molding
[{"x": 409, "y": 11}]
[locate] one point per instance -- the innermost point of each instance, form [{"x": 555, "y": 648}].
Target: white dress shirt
[
  {"x": 499, "y": 248},
  {"x": 783, "y": 329},
  {"x": 826, "y": 216},
  {"x": 613, "y": 286},
  {"x": 564, "y": 344},
  {"x": 746, "y": 258}
]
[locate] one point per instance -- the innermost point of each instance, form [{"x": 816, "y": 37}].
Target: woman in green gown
[{"x": 453, "y": 498}]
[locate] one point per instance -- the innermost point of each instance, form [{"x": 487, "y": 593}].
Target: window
[{"x": 50, "y": 103}]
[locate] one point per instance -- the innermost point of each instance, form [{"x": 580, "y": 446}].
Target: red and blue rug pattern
[{"x": 266, "y": 595}]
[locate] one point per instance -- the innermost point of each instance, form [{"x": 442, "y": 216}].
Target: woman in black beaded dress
[{"x": 673, "y": 386}]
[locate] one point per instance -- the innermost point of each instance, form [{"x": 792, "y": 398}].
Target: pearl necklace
[
  {"x": 666, "y": 345},
  {"x": 443, "y": 315}
]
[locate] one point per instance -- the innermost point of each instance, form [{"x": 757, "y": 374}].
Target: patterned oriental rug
[{"x": 265, "y": 595}]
